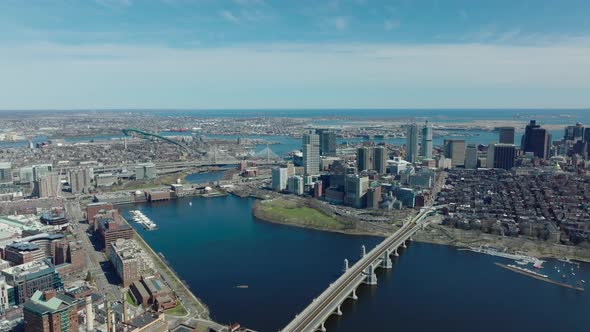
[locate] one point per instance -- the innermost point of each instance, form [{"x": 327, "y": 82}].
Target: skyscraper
[
  {"x": 79, "y": 180},
  {"x": 380, "y": 159},
  {"x": 412, "y": 143},
  {"x": 455, "y": 150},
  {"x": 327, "y": 142},
  {"x": 471, "y": 156},
  {"x": 573, "y": 133},
  {"x": 426, "y": 141},
  {"x": 311, "y": 153},
  {"x": 506, "y": 135},
  {"x": 279, "y": 178},
  {"x": 536, "y": 140},
  {"x": 364, "y": 159},
  {"x": 504, "y": 155}
]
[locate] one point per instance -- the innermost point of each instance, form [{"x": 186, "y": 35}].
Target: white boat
[{"x": 190, "y": 203}]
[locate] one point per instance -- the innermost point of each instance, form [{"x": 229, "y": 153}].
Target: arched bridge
[{"x": 146, "y": 134}]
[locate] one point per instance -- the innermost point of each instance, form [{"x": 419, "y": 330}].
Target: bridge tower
[
  {"x": 363, "y": 251},
  {"x": 370, "y": 276},
  {"x": 386, "y": 260},
  {"x": 345, "y": 265}
]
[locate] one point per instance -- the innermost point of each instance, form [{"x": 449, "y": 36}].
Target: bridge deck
[{"x": 327, "y": 303}]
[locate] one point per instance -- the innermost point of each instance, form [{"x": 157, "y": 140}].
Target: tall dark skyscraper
[
  {"x": 327, "y": 142},
  {"x": 573, "y": 133},
  {"x": 536, "y": 140},
  {"x": 380, "y": 159},
  {"x": 364, "y": 159},
  {"x": 506, "y": 135},
  {"x": 501, "y": 155}
]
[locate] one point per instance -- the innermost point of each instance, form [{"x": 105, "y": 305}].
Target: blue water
[
  {"x": 205, "y": 177},
  {"x": 216, "y": 244}
]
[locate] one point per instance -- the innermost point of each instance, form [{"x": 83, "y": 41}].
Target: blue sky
[{"x": 294, "y": 54}]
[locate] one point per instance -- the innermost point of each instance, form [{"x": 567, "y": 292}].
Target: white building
[
  {"x": 279, "y": 178},
  {"x": 311, "y": 153}
]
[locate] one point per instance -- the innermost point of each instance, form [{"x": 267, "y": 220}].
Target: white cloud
[
  {"x": 229, "y": 16},
  {"x": 339, "y": 23},
  {"x": 296, "y": 75},
  {"x": 390, "y": 25}
]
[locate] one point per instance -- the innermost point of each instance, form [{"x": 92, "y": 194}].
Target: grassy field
[
  {"x": 130, "y": 300},
  {"x": 176, "y": 311},
  {"x": 279, "y": 210}
]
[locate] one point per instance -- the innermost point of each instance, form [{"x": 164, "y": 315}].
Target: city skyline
[{"x": 266, "y": 54}]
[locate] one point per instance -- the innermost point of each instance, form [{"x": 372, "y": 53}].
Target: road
[{"x": 94, "y": 259}]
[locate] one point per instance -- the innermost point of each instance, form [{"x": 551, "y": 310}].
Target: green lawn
[
  {"x": 176, "y": 311},
  {"x": 285, "y": 211},
  {"x": 130, "y": 300}
]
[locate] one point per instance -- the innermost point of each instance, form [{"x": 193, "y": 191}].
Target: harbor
[
  {"x": 143, "y": 220},
  {"x": 538, "y": 276},
  {"x": 560, "y": 272}
]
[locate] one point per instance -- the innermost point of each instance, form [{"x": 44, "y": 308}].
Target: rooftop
[{"x": 39, "y": 303}]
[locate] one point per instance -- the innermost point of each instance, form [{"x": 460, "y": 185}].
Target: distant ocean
[{"x": 544, "y": 116}]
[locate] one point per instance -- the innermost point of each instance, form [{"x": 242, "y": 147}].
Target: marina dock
[
  {"x": 537, "y": 276},
  {"x": 143, "y": 220}
]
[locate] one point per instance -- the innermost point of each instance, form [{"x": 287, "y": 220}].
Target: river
[{"x": 216, "y": 245}]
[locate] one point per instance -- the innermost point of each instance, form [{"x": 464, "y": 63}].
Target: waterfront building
[
  {"x": 327, "y": 142},
  {"x": 279, "y": 178},
  {"x": 454, "y": 149},
  {"x": 92, "y": 210},
  {"x": 412, "y": 142},
  {"x": 380, "y": 158},
  {"x": 79, "y": 180},
  {"x": 471, "y": 156},
  {"x": 311, "y": 153},
  {"x": 110, "y": 229},
  {"x": 536, "y": 140},
  {"x": 145, "y": 171},
  {"x": 355, "y": 190},
  {"x": 295, "y": 185},
  {"x": 364, "y": 159},
  {"x": 5, "y": 172},
  {"x": 30, "y": 277},
  {"x": 501, "y": 156},
  {"x": 426, "y": 148},
  {"x": 48, "y": 185},
  {"x": 506, "y": 135},
  {"x": 129, "y": 260},
  {"x": 50, "y": 311}
]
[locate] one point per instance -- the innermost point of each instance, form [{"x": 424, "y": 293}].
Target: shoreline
[
  {"x": 438, "y": 234},
  {"x": 202, "y": 311}
]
